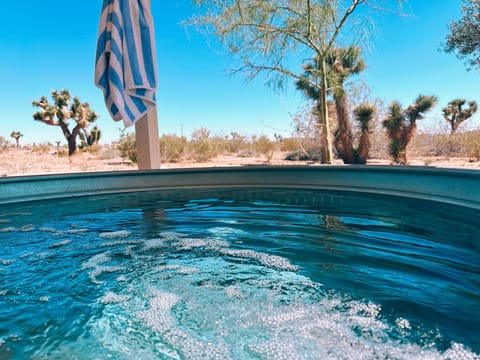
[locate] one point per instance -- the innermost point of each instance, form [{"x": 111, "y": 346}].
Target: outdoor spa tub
[{"x": 242, "y": 263}]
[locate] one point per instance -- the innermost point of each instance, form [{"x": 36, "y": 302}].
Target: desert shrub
[
  {"x": 127, "y": 146},
  {"x": 247, "y": 153},
  {"x": 290, "y": 144},
  {"x": 379, "y": 148},
  {"x": 4, "y": 144},
  {"x": 62, "y": 152},
  {"x": 109, "y": 152},
  {"x": 172, "y": 148},
  {"x": 236, "y": 143},
  {"x": 202, "y": 147},
  {"x": 220, "y": 144},
  {"x": 42, "y": 148},
  {"x": 440, "y": 143},
  {"x": 92, "y": 149},
  {"x": 472, "y": 144},
  {"x": 444, "y": 145},
  {"x": 313, "y": 154},
  {"x": 264, "y": 146}
]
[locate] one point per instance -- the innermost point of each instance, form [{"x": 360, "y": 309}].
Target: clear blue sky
[{"x": 51, "y": 44}]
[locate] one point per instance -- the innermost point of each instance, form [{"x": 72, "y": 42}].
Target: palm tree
[
  {"x": 341, "y": 63},
  {"x": 401, "y": 125},
  {"x": 16, "y": 135},
  {"x": 454, "y": 114}
]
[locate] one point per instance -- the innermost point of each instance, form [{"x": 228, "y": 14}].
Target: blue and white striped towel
[{"x": 125, "y": 67}]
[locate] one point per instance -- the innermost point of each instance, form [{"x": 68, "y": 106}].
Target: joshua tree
[
  {"x": 454, "y": 114},
  {"x": 343, "y": 62},
  {"x": 89, "y": 138},
  {"x": 16, "y": 135},
  {"x": 401, "y": 125},
  {"x": 363, "y": 115},
  {"x": 340, "y": 64},
  {"x": 61, "y": 111}
]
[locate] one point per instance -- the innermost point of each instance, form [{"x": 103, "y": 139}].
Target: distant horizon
[{"x": 194, "y": 88}]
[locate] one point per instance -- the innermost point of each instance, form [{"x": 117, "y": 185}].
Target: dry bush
[
  {"x": 62, "y": 152},
  {"x": 290, "y": 144},
  {"x": 127, "y": 146},
  {"x": 109, "y": 152},
  {"x": 471, "y": 141},
  {"x": 236, "y": 144},
  {"x": 264, "y": 146},
  {"x": 172, "y": 148},
  {"x": 91, "y": 149},
  {"x": 202, "y": 147},
  {"x": 379, "y": 148},
  {"x": 314, "y": 154},
  {"x": 42, "y": 148},
  {"x": 437, "y": 141},
  {"x": 4, "y": 144}
]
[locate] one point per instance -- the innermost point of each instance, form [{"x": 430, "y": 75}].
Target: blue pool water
[{"x": 231, "y": 274}]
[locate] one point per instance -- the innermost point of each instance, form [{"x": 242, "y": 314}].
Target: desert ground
[{"x": 25, "y": 161}]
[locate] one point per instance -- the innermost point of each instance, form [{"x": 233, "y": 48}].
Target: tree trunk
[
  {"x": 72, "y": 145},
  {"x": 344, "y": 129},
  {"x": 404, "y": 136},
  {"x": 363, "y": 148},
  {"x": 72, "y": 139},
  {"x": 324, "y": 116},
  {"x": 401, "y": 157}
]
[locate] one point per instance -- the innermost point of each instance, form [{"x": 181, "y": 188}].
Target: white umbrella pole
[{"x": 148, "y": 141}]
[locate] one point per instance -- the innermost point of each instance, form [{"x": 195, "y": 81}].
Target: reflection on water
[{"x": 239, "y": 274}]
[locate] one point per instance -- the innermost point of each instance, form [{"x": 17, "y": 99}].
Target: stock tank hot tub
[{"x": 240, "y": 263}]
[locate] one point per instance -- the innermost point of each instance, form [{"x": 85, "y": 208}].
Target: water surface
[{"x": 239, "y": 274}]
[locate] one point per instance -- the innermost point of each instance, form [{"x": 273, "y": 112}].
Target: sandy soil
[{"x": 21, "y": 162}]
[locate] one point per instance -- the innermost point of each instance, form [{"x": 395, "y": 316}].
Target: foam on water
[
  {"x": 47, "y": 229},
  {"x": 273, "y": 261},
  {"x": 119, "y": 242},
  {"x": 115, "y": 234},
  {"x": 155, "y": 244},
  {"x": 110, "y": 297},
  {"x": 60, "y": 244},
  {"x": 96, "y": 260},
  {"x": 271, "y": 314}
]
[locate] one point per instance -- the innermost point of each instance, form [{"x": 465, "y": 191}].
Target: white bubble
[
  {"x": 96, "y": 260},
  {"x": 272, "y": 261},
  {"x": 99, "y": 270},
  {"x": 76, "y": 231},
  {"x": 234, "y": 291},
  {"x": 110, "y": 298},
  {"x": 115, "y": 234},
  {"x": 154, "y": 244},
  {"x": 60, "y": 244},
  {"x": 47, "y": 229},
  {"x": 171, "y": 236},
  {"x": 179, "y": 269},
  {"x": 118, "y": 243}
]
